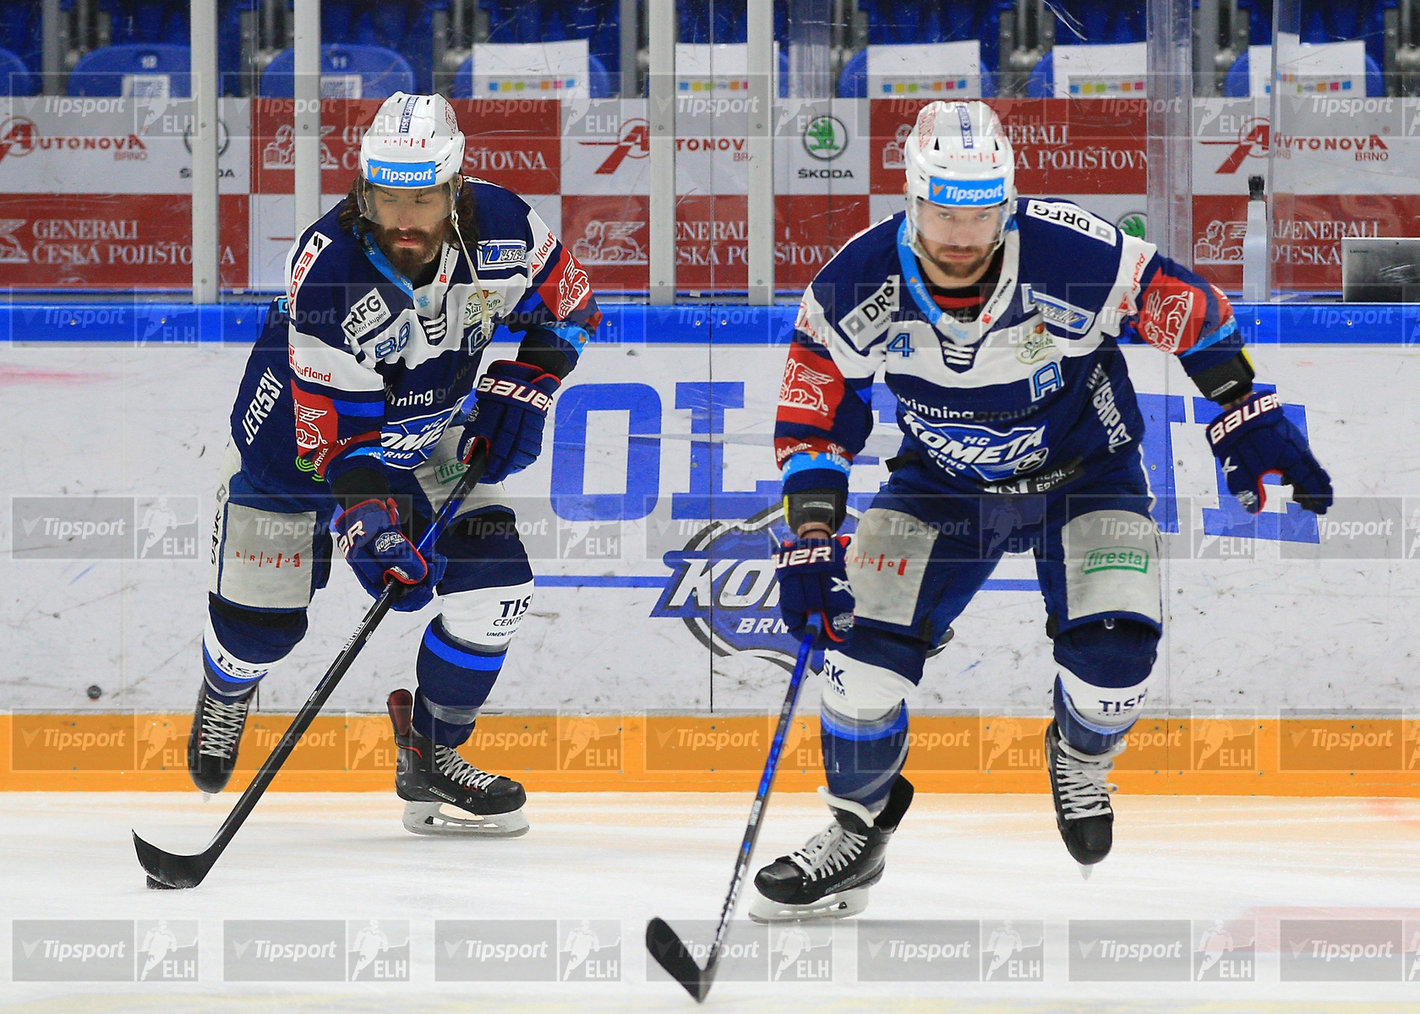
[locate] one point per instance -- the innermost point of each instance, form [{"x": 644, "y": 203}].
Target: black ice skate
[
  {"x": 429, "y": 775},
  {"x": 829, "y": 877},
  {"x": 217, "y": 729},
  {"x": 1079, "y": 782}
]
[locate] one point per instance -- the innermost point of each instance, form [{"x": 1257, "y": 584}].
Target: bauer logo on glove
[
  {"x": 1256, "y": 439},
  {"x": 813, "y": 583},
  {"x": 507, "y": 422}
]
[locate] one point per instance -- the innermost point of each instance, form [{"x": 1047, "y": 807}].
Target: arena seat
[
  {"x": 15, "y": 77},
  {"x": 129, "y": 68},
  {"x": 380, "y": 72}
]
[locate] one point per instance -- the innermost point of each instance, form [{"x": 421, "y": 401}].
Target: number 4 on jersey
[{"x": 901, "y": 343}]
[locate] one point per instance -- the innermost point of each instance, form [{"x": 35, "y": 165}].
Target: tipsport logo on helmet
[
  {"x": 402, "y": 174},
  {"x": 983, "y": 194}
]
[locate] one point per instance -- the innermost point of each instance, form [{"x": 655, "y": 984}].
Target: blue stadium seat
[
  {"x": 513, "y": 21},
  {"x": 598, "y": 22},
  {"x": 101, "y": 71},
  {"x": 853, "y": 79},
  {"x": 15, "y": 77},
  {"x": 598, "y": 80},
  {"x": 894, "y": 23},
  {"x": 1259, "y": 21},
  {"x": 382, "y": 71},
  {"x": 337, "y": 20},
  {"x": 1237, "y": 83},
  {"x": 1041, "y": 83}
]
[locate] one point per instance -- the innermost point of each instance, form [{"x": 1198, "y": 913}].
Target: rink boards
[{"x": 653, "y": 657}]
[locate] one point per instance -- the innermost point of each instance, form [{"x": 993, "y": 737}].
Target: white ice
[{"x": 620, "y": 859}]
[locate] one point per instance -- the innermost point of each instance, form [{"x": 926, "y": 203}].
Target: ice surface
[{"x": 615, "y": 860}]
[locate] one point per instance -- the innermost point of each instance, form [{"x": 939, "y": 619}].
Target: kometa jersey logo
[{"x": 723, "y": 587}]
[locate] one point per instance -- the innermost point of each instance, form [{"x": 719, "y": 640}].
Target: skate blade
[
  {"x": 831, "y": 906},
  {"x": 1085, "y": 871},
  {"x": 430, "y": 819}
]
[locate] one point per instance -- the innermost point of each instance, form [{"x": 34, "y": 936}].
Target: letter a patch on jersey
[{"x": 811, "y": 390}]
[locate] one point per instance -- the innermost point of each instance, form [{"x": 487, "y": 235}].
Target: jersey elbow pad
[{"x": 1228, "y": 381}]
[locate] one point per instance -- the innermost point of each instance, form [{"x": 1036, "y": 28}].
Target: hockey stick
[
  {"x": 171, "y": 870},
  {"x": 662, "y": 941}
]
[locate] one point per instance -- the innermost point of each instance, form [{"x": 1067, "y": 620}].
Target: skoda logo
[
  {"x": 224, "y": 139},
  {"x": 825, "y": 138}
]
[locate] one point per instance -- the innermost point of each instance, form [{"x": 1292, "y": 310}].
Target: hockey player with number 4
[
  {"x": 994, "y": 321},
  {"x": 356, "y": 415}
]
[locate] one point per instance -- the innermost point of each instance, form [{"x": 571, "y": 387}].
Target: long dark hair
[{"x": 467, "y": 205}]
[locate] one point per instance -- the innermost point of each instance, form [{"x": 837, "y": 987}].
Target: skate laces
[
  {"x": 452, "y": 766},
  {"x": 222, "y": 724},
  {"x": 1082, "y": 780},
  {"x": 829, "y": 851}
]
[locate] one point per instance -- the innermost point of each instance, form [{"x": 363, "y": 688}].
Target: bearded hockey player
[
  {"x": 356, "y": 414},
  {"x": 995, "y": 322}
]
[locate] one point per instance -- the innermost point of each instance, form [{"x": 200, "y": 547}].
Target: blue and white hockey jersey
[
  {"x": 357, "y": 369},
  {"x": 1034, "y": 388}
]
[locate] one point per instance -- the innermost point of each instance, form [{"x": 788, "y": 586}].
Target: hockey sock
[
  {"x": 862, "y": 757},
  {"x": 454, "y": 680},
  {"x": 1081, "y": 734},
  {"x": 264, "y": 639},
  {"x": 1105, "y": 669}
]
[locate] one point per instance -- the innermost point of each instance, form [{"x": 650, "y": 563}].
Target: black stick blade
[
  {"x": 671, "y": 954},
  {"x": 169, "y": 870}
]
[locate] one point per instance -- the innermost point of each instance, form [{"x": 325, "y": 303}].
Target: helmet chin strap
[{"x": 472, "y": 264}]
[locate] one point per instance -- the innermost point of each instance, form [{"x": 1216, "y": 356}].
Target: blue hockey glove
[
  {"x": 1256, "y": 439},
  {"x": 378, "y": 552},
  {"x": 513, "y": 399},
  {"x": 813, "y": 582}
]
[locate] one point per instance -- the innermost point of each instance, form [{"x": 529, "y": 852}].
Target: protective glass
[
  {"x": 957, "y": 225},
  {"x": 394, "y": 208}
]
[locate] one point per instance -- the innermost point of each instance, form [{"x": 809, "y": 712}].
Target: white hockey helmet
[
  {"x": 413, "y": 143},
  {"x": 958, "y": 155}
]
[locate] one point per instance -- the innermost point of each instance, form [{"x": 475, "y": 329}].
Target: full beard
[
  {"x": 963, "y": 269},
  {"x": 410, "y": 260}
]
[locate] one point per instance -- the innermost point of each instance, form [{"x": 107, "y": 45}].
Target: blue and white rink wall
[{"x": 654, "y": 656}]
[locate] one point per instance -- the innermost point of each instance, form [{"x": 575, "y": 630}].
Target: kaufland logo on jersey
[
  {"x": 402, "y": 174},
  {"x": 985, "y": 193}
]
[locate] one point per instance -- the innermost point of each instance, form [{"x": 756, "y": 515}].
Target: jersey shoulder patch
[{"x": 1069, "y": 215}]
